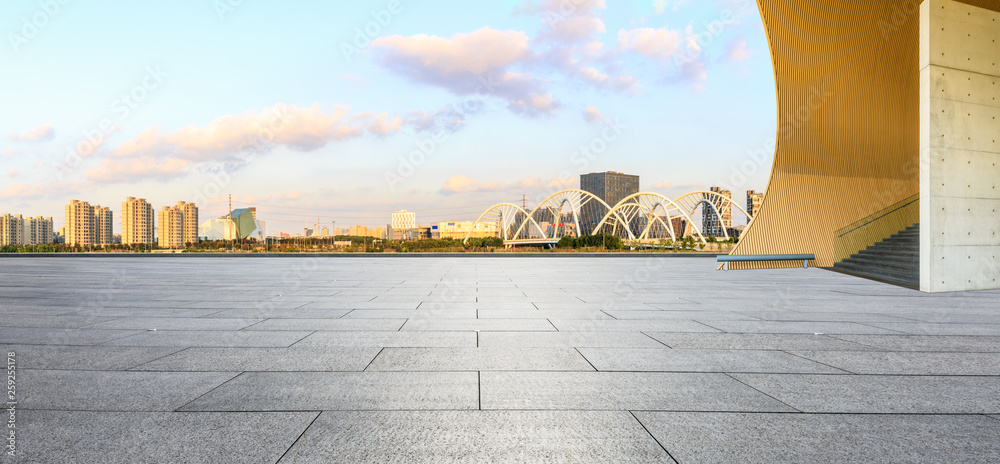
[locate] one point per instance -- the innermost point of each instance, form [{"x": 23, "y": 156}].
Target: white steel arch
[
  {"x": 647, "y": 202},
  {"x": 551, "y": 210},
  {"x": 694, "y": 199},
  {"x": 506, "y": 216}
]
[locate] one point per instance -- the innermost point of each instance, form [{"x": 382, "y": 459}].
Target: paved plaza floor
[{"x": 457, "y": 359}]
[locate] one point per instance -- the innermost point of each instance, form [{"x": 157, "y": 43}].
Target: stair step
[{"x": 895, "y": 259}]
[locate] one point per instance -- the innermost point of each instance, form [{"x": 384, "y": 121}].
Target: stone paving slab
[
  {"x": 568, "y": 339},
  {"x": 908, "y": 363},
  {"x": 793, "y": 327},
  {"x": 328, "y": 324},
  {"x": 277, "y": 313},
  {"x": 84, "y": 436},
  {"x": 264, "y": 360},
  {"x": 480, "y": 359},
  {"x": 578, "y": 325},
  {"x": 51, "y": 321},
  {"x": 881, "y": 394},
  {"x": 955, "y": 343},
  {"x": 621, "y": 391},
  {"x": 734, "y": 341},
  {"x": 411, "y": 314},
  {"x": 796, "y": 438},
  {"x": 924, "y": 328},
  {"x": 113, "y": 390},
  {"x": 670, "y": 360},
  {"x": 477, "y": 436},
  {"x": 212, "y": 338},
  {"x": 413, "y": 339},
  {"x": 655, "y": 314},
  {"x": 543, "y": 314},
  {"x": 327, "y": 391},
  {"x": 102, "y": 358},
  {"x": 478, "y": 324},
  {"x": 36, "y": 336},
  {"x": 176, "y": 323}
]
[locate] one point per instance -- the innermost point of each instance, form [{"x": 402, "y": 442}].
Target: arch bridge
[{"x": 645, "y": 217}]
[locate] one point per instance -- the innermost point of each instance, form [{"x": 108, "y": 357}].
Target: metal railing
[{"x": 876, "y": 227}]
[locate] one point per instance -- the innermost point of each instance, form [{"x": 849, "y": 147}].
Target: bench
[{"x": 726, "y": 259}]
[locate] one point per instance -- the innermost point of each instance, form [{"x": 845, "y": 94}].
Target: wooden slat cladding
[{"x": 847, "y": 85}]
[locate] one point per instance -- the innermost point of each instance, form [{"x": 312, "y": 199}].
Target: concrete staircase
[{"x": 895, "y": 260}]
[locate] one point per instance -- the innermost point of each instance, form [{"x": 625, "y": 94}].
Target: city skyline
[
  {"x": 680, "y": 91},
  {"x": 116, "y": 226}
]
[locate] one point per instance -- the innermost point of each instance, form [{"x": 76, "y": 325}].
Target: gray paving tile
[
  {"x": 930, "y": 328},
  {"x": 139, "y": 311},
  {"x": 328, "y": 324},
  {"x": 567, "y": 339},
  {"x": 329, "y": 391},
  {"x": 84, "y": 436},
  {"x": 780, "y": 327},
  {"x": 581, "y": 325},
  {"x": 113, "y": 390},
  {"x": 176, "y": 323},
  {"x": 480, "y": 359},
  {"x": 275, "y": 313},
  {"x": 411, "y": 339},
  {"x": 668, "y": 360},
  {"x": 881, "y": 394},
  {"x": 33, "y": 336},
  {"x": 680, "y": 315},
  {"x": 814, "y": 316},
  {"x": 543, "y": 314},
  {"x": 411, "y": 313},
  {"x": 265, "y": 359},
  {"x": 476, "y": 436},
  {"x": 90, "y": 357},
  {"x": 48, "y": 321},
  {"x": 796, "y": 438},
  {"x": 954, "y": 343},
  {"x": 621, "y": 391},
  {"x": 908, "y": 363},
  {"x": 478, "y": 324},
  {"x": 736, "y": 341},
  {"x": 209, "y": 338}
]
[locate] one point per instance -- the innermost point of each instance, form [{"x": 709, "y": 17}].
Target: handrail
[
  {"x": 869, "y": 219},
  {"x": 875, "y": 227}
]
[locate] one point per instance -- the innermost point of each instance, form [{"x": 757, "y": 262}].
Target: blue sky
[{"x": 288, "y": 107}]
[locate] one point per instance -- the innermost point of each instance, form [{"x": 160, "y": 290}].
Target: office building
[
  {"x": 754, "y": 200},
  {"x": 137, "y": 222},
  {"x": 457, "y": 230},
  {"x": 403, "y": 226},
  {"x": 611, "y": 187},
  {"x": 679, "y": 225},
  {"x": 239, "y": 224},
  {"x": 712, "y": 224},
  {"x": 103, "y": 225}
]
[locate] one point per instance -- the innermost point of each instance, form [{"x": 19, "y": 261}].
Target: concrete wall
[{"x": 959, "y": 147}]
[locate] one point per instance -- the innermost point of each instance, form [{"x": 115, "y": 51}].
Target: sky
[{"x": 346, "y": 111}]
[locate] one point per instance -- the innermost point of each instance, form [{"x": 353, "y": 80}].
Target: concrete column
[{"x": 959, "y": 147}]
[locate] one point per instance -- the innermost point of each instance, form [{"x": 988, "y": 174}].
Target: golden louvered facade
[{"x": 848, "y": 94}]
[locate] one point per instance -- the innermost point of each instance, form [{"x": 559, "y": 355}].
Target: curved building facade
[{"x": 848, "y": 86}]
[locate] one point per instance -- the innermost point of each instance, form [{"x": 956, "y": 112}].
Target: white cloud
[
  {"x": 591, "y": 114},
  {"x": 38, "y": 134}
]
